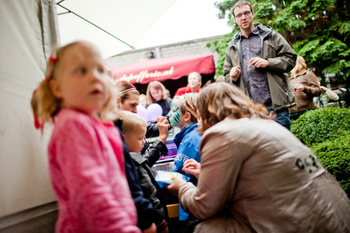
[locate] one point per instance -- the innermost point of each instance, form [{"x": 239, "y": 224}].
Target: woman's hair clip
[
  {"x": 53, "y": 59},
  {"x": 130, "y": 89}
]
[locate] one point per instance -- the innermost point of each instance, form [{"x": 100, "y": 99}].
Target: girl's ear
[{"x": 55, "y": 88}]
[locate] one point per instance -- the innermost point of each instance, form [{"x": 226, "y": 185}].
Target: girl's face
[
  {"x": 130, "y": 104},
  {"x": 136, "y": 139},
  {"x": 82, "y": 81},
  {"x": 193, "y": 81},
  {"x": 156, "y": 94},
  {"x": 175, "y": 116}
]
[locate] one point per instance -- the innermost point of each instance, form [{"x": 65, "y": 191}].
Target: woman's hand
[
  {"x": 174, "y": 188},
  {"x": 191, "y": 166},
  {"x": 163, "y": 127}
]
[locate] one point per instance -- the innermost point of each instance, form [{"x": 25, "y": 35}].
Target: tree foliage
[{"x": 318, "y": 30}]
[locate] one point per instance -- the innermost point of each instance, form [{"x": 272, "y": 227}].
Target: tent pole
[{"x": 69, "y": 11}]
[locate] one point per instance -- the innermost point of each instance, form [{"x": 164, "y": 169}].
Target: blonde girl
[
  {"x": 85, "y": 153},
  {"x": 156, "y": 93}
]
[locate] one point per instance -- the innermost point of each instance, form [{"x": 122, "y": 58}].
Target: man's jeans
[{"x": 282, "y": 116}]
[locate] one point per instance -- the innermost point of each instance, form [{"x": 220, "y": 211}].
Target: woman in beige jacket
[{"x": 255, "y": 175}]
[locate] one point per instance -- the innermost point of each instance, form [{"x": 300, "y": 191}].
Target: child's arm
[
  {"x": 332, "y": 95},
  {"x": 163, "y": 127},
  {"x": 158, "y": 148}
]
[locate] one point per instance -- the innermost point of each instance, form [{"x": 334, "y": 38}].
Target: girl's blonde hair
[
  {"x": 188, "y": 101},
  {"x": 299, "y": 66},
  {"x": 157, "y": 86},
  {"x": 45, "y": 105},
  {"x": 130, "y": 121},
  {"x": 220, "y": 100}
]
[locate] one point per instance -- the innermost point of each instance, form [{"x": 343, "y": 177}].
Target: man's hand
[
  {"x": 258, "y": 62},
  {"x": 235, "y": 72}
]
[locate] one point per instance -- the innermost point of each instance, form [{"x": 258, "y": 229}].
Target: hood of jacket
[{"x": 180, "y": 135}]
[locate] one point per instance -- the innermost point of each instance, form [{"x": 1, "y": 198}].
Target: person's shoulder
[
  {"x": 168, "y": 100},
  {"x": 235, "y": 39},
  {"x": 265, "y": 31},
  {"x": 73, "y": 117},
  {"x": 181, "y": 91},
  {"x": 229, "y": 125},
  {"x": 137, "y": 157}
]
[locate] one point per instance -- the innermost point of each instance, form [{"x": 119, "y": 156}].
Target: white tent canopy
[
  {"x": 30, "y": 31},
  {"x": 127, "y": 20}
]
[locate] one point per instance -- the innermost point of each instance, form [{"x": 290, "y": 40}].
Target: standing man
[{"x": 258, "y": 60}]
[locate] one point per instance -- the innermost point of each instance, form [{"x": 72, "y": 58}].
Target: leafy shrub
[
  {"x": 335, "y": 157},
  {"x": 320, "y": 125}
]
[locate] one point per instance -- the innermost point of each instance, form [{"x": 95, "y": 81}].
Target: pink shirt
[{"x": 91, "y": 188}]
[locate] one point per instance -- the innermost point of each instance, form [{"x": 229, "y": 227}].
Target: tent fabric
[
  {"x": 128, "y": 21},
  {"x": 163, "y": 69},
  {"x": 26, "y": 40}
]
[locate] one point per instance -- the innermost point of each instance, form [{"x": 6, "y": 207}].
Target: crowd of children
[{"x": 246, "y": 173}]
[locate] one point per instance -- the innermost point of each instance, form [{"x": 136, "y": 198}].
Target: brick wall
[{"x": 191, "y": 47}]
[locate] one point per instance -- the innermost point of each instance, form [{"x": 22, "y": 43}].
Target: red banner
[{"x": 165, "y": 68}]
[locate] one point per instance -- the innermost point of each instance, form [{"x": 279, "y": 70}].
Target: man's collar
[{"x": 255, "y": 31}]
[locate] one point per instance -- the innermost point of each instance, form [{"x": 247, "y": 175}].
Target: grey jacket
[
  {"x": 256, "y": 176},
  {"x": 281, "y": 59}
]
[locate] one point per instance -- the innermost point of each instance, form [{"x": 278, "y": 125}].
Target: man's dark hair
[{"x": 239, "y": 4}]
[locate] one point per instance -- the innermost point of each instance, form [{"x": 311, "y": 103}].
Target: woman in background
[
  {"x": 156, "y": 93},
  {"x": 306, "y": 87}
]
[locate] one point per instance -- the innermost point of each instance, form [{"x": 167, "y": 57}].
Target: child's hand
[
  {"x": 174, "y": 188},
  {"x": 298, "y": 87},
  {"x": 151, "y": 229},
  {"x": 191, "y": 166},
  {"x": 163, "y": 127}
]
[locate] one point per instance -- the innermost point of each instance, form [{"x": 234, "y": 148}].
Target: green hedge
[
  {"x": 327, "y": 132},
  {"x": 335, "y": 157},
  {"x": 320, "y": 125}
]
